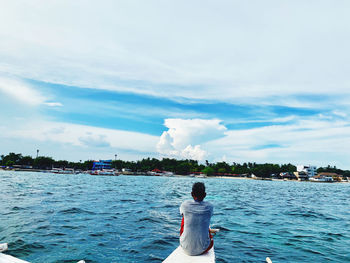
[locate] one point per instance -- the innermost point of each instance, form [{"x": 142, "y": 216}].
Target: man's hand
[{"x": 213, "y": 231}]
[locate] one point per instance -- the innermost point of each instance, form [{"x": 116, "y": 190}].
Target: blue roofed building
[{"x": 102, "y": 164}]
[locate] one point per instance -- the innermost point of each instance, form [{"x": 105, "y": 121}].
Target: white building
[{"x": 308, "y": 169}]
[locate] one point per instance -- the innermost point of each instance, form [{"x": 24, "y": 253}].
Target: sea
[{"x": 65, "y": 218}]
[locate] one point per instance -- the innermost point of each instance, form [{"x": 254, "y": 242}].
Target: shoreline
[
  {"x": 277, "y": 180},
  {"x": 187, "y": 176}
]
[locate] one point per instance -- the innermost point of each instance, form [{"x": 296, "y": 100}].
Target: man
[{"x": 195, "y": 236}]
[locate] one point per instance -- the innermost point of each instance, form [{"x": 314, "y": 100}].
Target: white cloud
[
  {"x": 83, "y": 140},
  {"x": 311, "y": 141},
  {"x": 53, "y": 104},
  {"x": 193, "y": 131},
  {"x": 182, "y": 134},
  {"x": 339, "y": 113},
  {"x": 165, "y": 145},
  {"x": 193, "y": 153},
  {"x": 94, "y": 140},
  {"x": 24, "y": 93},
  {"x": 240, "y": 50},
  {"x": 20, "y": 91}
]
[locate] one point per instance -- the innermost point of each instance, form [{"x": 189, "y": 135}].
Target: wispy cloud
[
  {"x": 21, "y": 91},
  {"x": 53, "y": 104},
  {"x": 86, "y": 139},
  {"x": 252, "y": 50},
  {"x": 317, "y": 141},
  {"x": 94, "y": 140}
]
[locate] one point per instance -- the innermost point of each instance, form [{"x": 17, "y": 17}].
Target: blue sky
[{"x": 209, "y": 80}]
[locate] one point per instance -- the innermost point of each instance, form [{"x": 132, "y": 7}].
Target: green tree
[
  {"x": 222, "y": 167},
  {"x": 15, "y": 158},
  {"x": 288, "y": 168},
  {"x": 168, "y": 164},
  {"x": 26, "y": 160},
  {"x": 208, "y": 171},
  {"x": 265, "y": 170},
  {"x": 61, "y": 164},
  {"x": 10, "y": 163},
  {"x": 221, "y": 170},
  {"x": 43, "y": 162},
  {"x": 117, "y": 164},
  {"x": 87, "y": 165},
  {"x": 183, "y": 168},
  {"x": 241, "y": 169}
]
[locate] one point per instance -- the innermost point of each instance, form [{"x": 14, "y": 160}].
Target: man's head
[{"x": 198, "y": 191}]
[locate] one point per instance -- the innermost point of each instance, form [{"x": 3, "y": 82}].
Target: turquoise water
[{"x": 65, "y": 218}]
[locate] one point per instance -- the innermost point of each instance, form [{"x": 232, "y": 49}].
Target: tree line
[
  {"x": 42, "y": 162},
  {"x": 166, "y": 164}
]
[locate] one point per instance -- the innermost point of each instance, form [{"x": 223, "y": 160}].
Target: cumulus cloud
[
  {"x": 165, "y": 144},
  {"x": 184, "y": 137},
  {"x": 193, "y": 153}
]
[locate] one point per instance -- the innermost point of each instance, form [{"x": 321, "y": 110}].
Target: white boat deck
[
  {"x": 179, "y": 256},
  {"x": 4, "y": 258},
  {"x": 10, "y": 259}
]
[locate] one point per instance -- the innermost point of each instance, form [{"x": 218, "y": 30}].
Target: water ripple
[{"x": 76, "y": 210}]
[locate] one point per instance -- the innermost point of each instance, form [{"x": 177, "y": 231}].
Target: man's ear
[{"x": 194, "y": 197}]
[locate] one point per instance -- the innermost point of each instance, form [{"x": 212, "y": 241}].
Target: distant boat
[
  {"x": 127, "y": 171},
  {"x": 201, "y": 176},
  {"x": 157, "y": 172},
  {"x": 170, "y": 174},
  {"x": 321, "y": 179},
  {"x": 62, "y": 171},
  {"x": 104, "y": 172}
]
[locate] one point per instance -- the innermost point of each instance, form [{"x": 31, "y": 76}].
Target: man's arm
[
  {"x": 182, "y": 226},
  {"x": 213, "y": 231}
]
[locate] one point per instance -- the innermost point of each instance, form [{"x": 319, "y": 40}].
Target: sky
[{"x": 234, "y": 81}]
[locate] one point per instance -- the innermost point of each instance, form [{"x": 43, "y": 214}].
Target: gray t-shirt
[{"x": 195, "y": 237}]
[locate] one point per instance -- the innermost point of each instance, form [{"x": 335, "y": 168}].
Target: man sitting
[{"x": 195, "y": 236}]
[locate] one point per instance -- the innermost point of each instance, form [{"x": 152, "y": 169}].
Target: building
[
  {"x": 311, "y": 171},
  {"x": 288, "y": 176},
  {"x": 102, "y": 164},
  {"x": 301, "y": 176},
  {"x": 335, "y": 176}
]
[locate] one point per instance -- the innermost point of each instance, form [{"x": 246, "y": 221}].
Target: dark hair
[{"x": 198, "y": 190}]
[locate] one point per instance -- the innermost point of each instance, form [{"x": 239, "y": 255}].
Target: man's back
[{"x": 195, "y": 237}]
